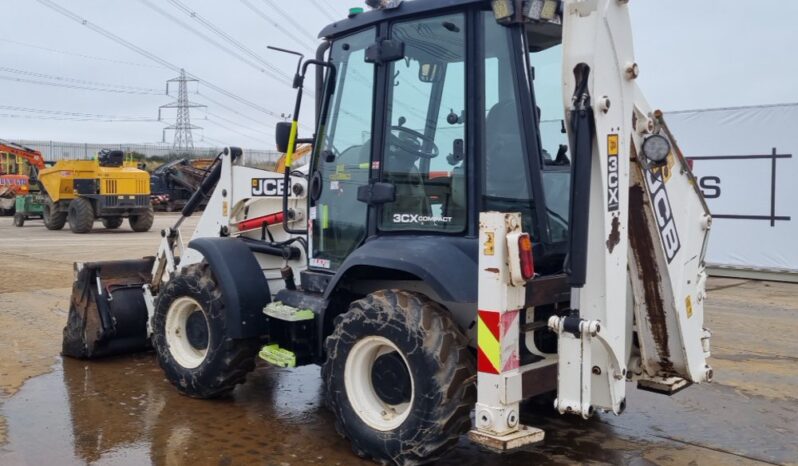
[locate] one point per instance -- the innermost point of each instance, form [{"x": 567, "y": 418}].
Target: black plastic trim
[{"x": 407, "y": 9}]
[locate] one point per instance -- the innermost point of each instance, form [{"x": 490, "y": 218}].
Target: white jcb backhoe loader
[{"x": 491, "y": 212}]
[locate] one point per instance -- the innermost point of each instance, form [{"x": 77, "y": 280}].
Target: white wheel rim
[
  {"x": 177, "y": 340},
  {"x": 360, "y": 391}
]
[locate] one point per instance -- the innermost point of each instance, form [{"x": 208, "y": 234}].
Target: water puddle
[{"x": 122, "y": 411}]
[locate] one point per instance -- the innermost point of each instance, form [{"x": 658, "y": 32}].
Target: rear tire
[
  {"x": 143, "y": 221},
  {"x": 112, "y": 223},
  {"x": 200, "y": 360},
  {"x": 387, "y": 342},
  {"x": 19, "y": 220},
  {"x": 53, "y": 218},
  {"x": 81, "y": 215}
]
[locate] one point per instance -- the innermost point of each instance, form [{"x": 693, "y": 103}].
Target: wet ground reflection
[{"x": 123, "y": 411}]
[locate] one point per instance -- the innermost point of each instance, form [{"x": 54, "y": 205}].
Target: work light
[
  {"x": 546, "y": 10},
  {"x": 656, "y": 148},
  {"x": 383, "y": 4},
  {"x": 503, "y": 10}
]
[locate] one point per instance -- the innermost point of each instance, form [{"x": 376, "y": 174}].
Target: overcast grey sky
[{"x": 692, "y": 54}]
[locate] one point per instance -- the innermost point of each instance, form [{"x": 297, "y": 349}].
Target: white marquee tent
[{"x": 746, "y": 160}]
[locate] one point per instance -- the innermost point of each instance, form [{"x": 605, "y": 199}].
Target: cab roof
[{"x": 406, "y": 9}]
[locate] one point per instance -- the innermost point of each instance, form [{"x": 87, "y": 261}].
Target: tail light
[{"x": 525, "y": 256}]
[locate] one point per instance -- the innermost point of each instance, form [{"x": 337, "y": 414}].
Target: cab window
[
  {"x": 554, "y": 141},
  {"x": 505, "y": 183},
  {"x": 424, "y": 150}
]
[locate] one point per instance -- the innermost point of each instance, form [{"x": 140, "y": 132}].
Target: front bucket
[{"x": 107, "y": 312}]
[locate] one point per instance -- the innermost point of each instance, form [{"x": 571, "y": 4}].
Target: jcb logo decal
[
  {"x": 613, "y": 187},
  {"x": 663, "y": 213},
  {"x": 268, "y": 187}
]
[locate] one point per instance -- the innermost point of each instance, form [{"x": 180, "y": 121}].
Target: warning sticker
[{"x": 612, "y": 144}]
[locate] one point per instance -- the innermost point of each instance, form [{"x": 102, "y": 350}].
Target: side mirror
[{"x": 282, "y": 134}]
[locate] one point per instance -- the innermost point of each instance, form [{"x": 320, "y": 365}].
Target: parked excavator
[
  {"x": 434, "y": 256},
  {"x": 173, "y": 183}
]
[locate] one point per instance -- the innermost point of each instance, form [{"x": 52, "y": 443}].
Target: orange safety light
[{"x": 525, "y": 256}]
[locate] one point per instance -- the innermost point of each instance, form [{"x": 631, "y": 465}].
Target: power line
[
  {"x": 215, "y": 141},
  {"x": 254, "y": 138},
  {"x": 73, "y": 114},
  {"x": 299, "y": 26},
  {"x": 67, "y": 118},
  {"x": 69, "y": 14},
  {"x": 275, "y": 24},
  {"x": 248, "y": 128},
  {"x": 90, "y": 57},
  {"x": 325, "y": 11},
  {"x": 142, "y": 90},
  {"x": 72, "y": 86},
  {"x": 232, "y": 40},
  {"x": 229, "y": 109},
  {"x": 267, "y": 69}
]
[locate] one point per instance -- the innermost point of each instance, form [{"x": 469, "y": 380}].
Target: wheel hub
[
  {"x": 378, "y": 383},
  {"x": 391, "y": 379},
  {"x": 187, "y": 332},
  {"x": 197, "y": 330}
]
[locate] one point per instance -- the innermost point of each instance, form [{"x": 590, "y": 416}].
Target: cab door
[{"x": 342, "y": 162}]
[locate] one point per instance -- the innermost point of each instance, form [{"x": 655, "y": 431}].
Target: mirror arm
[{"x": 299, "y": 81}]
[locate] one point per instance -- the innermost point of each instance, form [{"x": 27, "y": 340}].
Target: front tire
[
  {"x": 81, "y": 215},
  {"x": 143, "y": 221},
  {"x": 400, "y": 378},
  {"x": 19, "y": 220},
  {"x": 53, "y": 218},
  {"x": 190, "y": 337}
]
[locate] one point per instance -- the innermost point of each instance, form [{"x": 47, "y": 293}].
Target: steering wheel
[{"x": 414, "y": 144}]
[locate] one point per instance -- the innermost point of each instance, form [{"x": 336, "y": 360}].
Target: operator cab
[{"x": 431, "y": 117}]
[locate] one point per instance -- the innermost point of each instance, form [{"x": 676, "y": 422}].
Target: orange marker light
[{"x": 525, "y": 256}]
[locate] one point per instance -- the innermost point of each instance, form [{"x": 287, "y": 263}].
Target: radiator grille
[{"x": 110, "y": 186}]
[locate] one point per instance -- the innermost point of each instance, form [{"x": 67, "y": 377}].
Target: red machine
[{"x": 17, "y": 165}]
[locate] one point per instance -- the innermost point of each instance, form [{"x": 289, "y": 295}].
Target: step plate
[{"x": 507, "y": 443}]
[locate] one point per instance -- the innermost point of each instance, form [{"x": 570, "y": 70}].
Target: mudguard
[
  {"x": 447, "y": 264},
  {"x": 244, "y": 288}
]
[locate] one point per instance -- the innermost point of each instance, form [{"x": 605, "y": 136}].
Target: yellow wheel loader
[{"x": 107, "y": 189}]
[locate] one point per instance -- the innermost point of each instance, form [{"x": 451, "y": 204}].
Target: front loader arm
[{"x": 637, "y": 260}]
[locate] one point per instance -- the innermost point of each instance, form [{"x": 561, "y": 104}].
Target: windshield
[{"x": 343, "y": 161}]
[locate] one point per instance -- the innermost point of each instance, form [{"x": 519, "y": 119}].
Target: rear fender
[{"x": 244, "y": 287}]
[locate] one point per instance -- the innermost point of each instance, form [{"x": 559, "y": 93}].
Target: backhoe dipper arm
[{"x": 646, "y": 226}]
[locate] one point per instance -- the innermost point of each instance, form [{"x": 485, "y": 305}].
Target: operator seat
[{"x": 411, "y": 195}]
